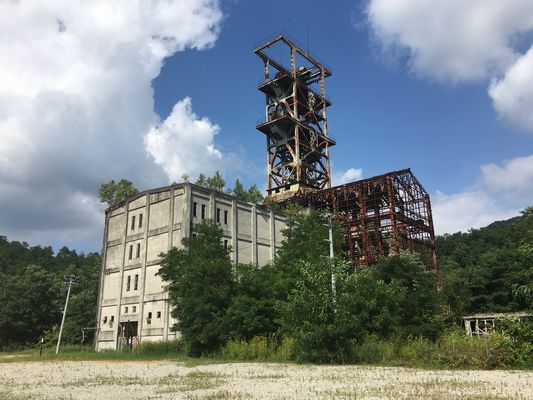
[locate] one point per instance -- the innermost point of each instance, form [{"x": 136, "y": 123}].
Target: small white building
[{"x": 132, "y": 302}]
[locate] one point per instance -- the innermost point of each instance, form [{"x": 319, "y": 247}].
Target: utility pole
[
  {"x": 70, "y": 280},
  {"x": 333, "y": 269}
]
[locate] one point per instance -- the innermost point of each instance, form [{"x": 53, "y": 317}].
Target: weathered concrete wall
[{"x": 150, "y": 224}]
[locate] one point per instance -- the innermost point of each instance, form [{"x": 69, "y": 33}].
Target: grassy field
[{"x": 151, "y": 379}]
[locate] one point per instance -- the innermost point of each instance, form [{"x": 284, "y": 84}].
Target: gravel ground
[{"x": 89, "y": 380}]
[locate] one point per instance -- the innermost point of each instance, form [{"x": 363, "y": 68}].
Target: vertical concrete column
[
  {"x": 234, "y": 231},
  {"x": 171, "y": 218},
  {"x": 186, "y": 222},
  {"x": 254, "y": 235},
  {"x": 272, "y": 235},
  {"x": 212, "y": 206},
  {"x": 143, "y": 267},
  {"x": 101, "y": 287},
  {"x": 125, "y": 244},
  {"x": 166, "y": 307}
]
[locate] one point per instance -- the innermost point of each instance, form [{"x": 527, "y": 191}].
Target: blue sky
[
  {"x": 382, "y": 117},
  {"x": 159, "y": 89}
]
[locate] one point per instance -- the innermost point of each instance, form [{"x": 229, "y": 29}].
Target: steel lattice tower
[{"x": 295, "y": 121}]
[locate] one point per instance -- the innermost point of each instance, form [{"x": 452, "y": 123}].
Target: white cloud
[
  {"x": 512, "y": 96},
  {"x": 501, "y": 193},
  {"x": 172, "y": 142},
  {"x": 349, "y": 175},
  {"x": 460, "y": 41},
  {"x": 77, "y": 100},
  {"x": 466, "y": 210},
  {"x": 513, "y": 180}
]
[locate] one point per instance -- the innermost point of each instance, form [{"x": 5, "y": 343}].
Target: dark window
[
  {"x": 225, "y": 217},
  {"x": 218, "y": 214},
  {"x": 138, "y": 250},
  {"x": 203, "y": 211},
  {"x": 150, "y": 315},
  {"x": 105, "y": 320},
  {"x": 136, "y": 282},
  {"x": 194, "y": 235},
  {"x": 128, "y": 283},
  {"x": 112, "y": 318},
  {"x": 194, "y": 206},
  {"x": 125, "y": 310},
  {"x": 133, "y": 222},
  {"x": 225, "y": 244},
  {"x": 131, "y": 252},
  {"x": 159, "y": 314},
  {"x": 134, "y": 309},
  {"x": 140, "y": 220}
]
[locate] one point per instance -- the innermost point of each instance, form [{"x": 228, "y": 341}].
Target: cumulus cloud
[
  {"x": 181, "y": 134},
  {"x": 77, "y": 102},
  {"x": 461, "y": 41},
  {"x": 513, "y": 179},
  {"x": 502, "y": 191},
  {"x": 349, "y": 175},
  {"x": 466, "y": 210},
  {"x": 512, "y": 95}
]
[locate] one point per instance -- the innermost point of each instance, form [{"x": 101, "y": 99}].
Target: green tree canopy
[
  {"x": 199, "y": 281},
  {"x": 114, "y": 193},
  {"x": 32, "y": 292},
  {"x": 421, "y": 306},
  {"x": 492, "y": 266},
  {"x": 217, "y": 182}
]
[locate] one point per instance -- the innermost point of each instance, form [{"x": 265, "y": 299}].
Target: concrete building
[{"x": 132, "y": 302}]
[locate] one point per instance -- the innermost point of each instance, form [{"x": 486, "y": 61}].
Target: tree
[
  {"x": 114, "y": 193},
  {"x": 29, "y": 305},
  {"x": 420, "y": 307},
  {"x": 202, "y": 180},
  {"x": 252, "y": 195},
  {"x": 32, "y": 292},
  {"x": 325, "y": 327},
  {"x": 495, "y": 263},
  {"x": 199, "y": 281},
  {"x": 252, "y": 311},
  {"x": 216, "y": 182}
]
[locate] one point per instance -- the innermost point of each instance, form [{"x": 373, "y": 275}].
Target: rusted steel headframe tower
[
  {"x": 382, "y": 215},
  {"x": 295, "y": 121}
]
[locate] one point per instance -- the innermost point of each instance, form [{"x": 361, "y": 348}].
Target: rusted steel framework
[
  {"x": 382, "y": 216},
  {"x": 295, "y": 121}
]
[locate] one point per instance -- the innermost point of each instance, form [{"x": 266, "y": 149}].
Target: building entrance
[{"x": 128, "y": 335}]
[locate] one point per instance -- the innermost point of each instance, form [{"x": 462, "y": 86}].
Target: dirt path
[{"x": 89, "y": 380}]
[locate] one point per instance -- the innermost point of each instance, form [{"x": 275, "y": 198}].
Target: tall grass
[
  {"x": 260, "y": 348},
  {"x": 453, "y": 350}
]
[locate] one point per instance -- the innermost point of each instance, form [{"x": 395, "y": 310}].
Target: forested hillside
[
  {"x": 490, "y": 269},
  {"x": 32, "y": 293}
]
